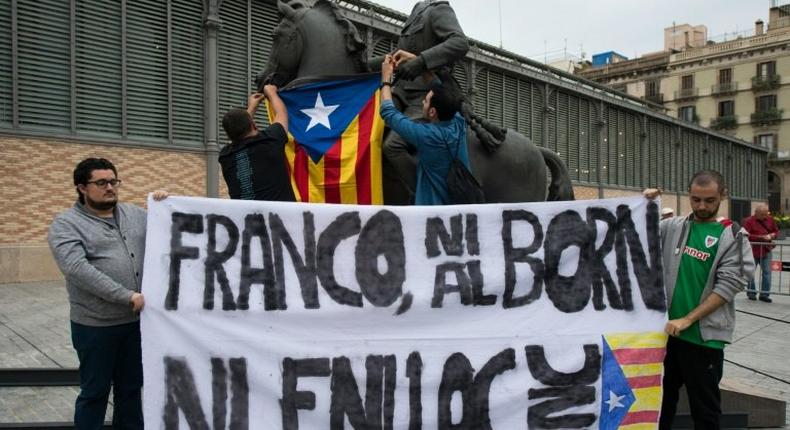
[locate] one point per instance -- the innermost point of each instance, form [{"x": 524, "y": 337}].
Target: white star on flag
[
  {"x": 319, "y": 114},
  {"x": 614, "y": 401}
]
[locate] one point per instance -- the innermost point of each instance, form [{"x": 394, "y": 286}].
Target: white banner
[{"x": 286, "y": 315}]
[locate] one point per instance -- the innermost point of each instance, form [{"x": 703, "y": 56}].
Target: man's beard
[
  {"x": 103, "y": 205},
  {"x": 705, "y": 215}
]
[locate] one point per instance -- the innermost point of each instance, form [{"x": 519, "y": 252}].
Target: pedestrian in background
[{"x": 762, "y": 231}]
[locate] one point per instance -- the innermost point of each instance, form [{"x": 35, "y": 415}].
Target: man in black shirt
[{"x": 254, "y": 165}]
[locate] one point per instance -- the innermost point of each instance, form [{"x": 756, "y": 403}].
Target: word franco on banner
[{"x": 293, "y": 315}]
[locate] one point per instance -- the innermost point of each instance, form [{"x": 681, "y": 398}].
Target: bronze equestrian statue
[{"x": 319, "y": 42}]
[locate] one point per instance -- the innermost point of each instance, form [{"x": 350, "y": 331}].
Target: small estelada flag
[
  {"x": 632, "y": 368},
  {"x": 334, "y": 140}
]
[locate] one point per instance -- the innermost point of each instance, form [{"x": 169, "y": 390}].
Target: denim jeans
[
  {"x": 765, "y": 277},
  {"x": 109, "y": 356}
]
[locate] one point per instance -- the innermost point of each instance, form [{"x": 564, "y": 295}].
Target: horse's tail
[{"x": 560, "y": 187}]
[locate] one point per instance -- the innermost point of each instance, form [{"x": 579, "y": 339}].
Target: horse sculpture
[{"x": 319, "y": 41}]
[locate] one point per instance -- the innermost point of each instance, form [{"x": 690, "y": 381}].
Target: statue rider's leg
[
  {"x": 401, "y": 156},
  {"x": 403, "y": 159},
  {"x": 396, "y": 192}
]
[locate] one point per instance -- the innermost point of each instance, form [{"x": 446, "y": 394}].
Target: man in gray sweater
[
  {"x": 98, "y": 245},
  {"x": 707, "y": 261}
]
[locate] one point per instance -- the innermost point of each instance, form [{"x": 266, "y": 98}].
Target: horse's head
[
  {"x": 284, "y": 58},
  {"x": 311, "y": 41}
]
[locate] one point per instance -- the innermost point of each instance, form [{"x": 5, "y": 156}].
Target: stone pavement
[{"x": 34, "y": 332}]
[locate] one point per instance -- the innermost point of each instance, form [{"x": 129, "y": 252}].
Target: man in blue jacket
[
  {"x": 98, "y": 244},
  {"x": 439, "y": 138}
]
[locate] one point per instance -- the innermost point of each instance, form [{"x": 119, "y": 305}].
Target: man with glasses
[{"x": 98, "y": 245}]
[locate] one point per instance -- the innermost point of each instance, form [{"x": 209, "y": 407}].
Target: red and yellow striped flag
[
  {"x": 641, "y": 358},
  {"x": 334, "y": 141}
]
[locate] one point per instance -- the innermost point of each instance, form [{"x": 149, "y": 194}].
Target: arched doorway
[{"x": 775, "y": 193}]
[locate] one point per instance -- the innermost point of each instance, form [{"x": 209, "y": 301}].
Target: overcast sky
[{"x": 630, "y": 27}]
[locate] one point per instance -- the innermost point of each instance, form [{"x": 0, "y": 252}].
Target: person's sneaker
[
  {"x": 766, "y": 299},
  {"x": 751, "y": 297}
]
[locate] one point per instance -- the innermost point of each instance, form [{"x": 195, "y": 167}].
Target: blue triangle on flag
[
  {"x": 616, "y": 395},
  {"x": 316, "y": 123}
]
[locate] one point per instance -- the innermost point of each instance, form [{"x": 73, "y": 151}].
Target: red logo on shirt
[{"x": 695, "y": 253}]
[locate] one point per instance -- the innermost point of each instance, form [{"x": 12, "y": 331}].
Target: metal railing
[
  {"x": 724, "y": 122},
  {"x": 686, "y": 93},
  {"x": 766, "y": 83},
  {"x": 779, "y": 268},
  {"x": 724, "y": 88},
  {"x": 767, "y": 116}
]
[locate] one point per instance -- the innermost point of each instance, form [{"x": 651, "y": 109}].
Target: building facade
[
  {"x": 733, "y": 87},
  {"x": 145, "y": 82}
]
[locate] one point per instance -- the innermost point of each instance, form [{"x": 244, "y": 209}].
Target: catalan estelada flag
[
  {"x": 632, "y": 372},
  {"x": 334, "y": 140}
]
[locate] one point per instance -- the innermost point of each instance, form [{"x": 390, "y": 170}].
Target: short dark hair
[
  {"x": 705, "y": 177},
  {"x": 237, "y": 123},
  {"x": 445, "y": 100},
  {"x": 84, "y": 171}
]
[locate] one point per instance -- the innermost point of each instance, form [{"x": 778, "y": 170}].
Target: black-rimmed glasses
[{"x": 101, "y": 183}]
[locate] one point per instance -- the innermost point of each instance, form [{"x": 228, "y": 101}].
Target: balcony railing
[
  {"x": 724, "y": 122},
  {"x": 693, "y": 119},
  {"x": 767, "y": 116},
  {"x": 654, "y": 98},
  {"x": 724, "y": 88},
  {"x": 764, "y": 83},
  {"x": 686, "y": 93}
]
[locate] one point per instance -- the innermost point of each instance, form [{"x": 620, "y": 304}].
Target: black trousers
[
  {"x": 108, "y": 356},
  {"x": 700, "y": 369}
]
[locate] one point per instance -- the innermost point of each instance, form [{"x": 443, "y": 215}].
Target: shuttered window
[
  {"x": 494, "y": 99},
  {"x": 510, "y": 102},
  {"x": 561, "y": 119},
  {"x": 6, "y": 97},
  {"x": 480, "y": 96},
  {"x": 186, "y": 26},
  {"x": 588, "y": 150},
  {"x": 101, "y": 68},
  {"x": 525, "y": 123},
  {"x": 98, "y": 67},
  {"x": 44, "y": 60},
  {"x": 726, "y": 108},
  {"x": 574, "y": 148},
  {"x": 459, "y": 73},
  {"x": 383, "y": 47},
  {"x": 264, "y": 19},
  {"x": 244, "y": 45},
  {"x": 147, "y": 73},
  {"x": 233, "y": 85}
]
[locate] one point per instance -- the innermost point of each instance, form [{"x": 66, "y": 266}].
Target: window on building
[
  {"x": 687, "y": 113},
  {"x": 726, "y": 108},
  {"x": 130, "y": 71},
  {"x": 725, "y": 76},
  {"x": 766, "y": 69},
  {"x": 651, "y": 88},
  {"x": 765, "y": 103},
  {"x": 687, "y": 82},
  {"x": 766, "y": 141}
]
